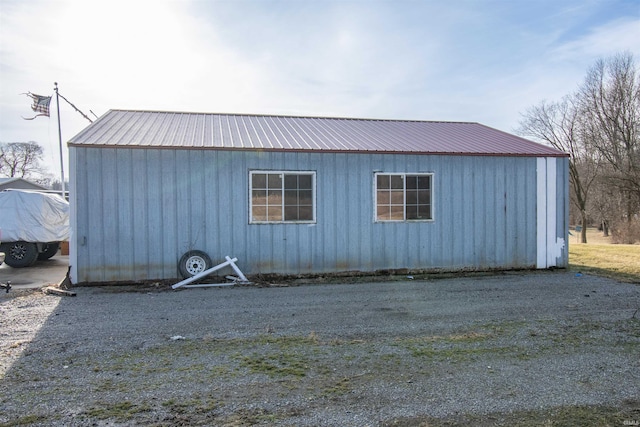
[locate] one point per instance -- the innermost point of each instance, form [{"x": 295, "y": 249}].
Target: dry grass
[
  {"x": 602, "y": 258},
  {"x": 594, "y": 237}
]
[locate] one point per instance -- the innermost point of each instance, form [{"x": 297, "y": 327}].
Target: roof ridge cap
[{"x": 292, "y": 116}]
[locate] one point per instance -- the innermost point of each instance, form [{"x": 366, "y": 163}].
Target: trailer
[{"x": 32, "y": 225}]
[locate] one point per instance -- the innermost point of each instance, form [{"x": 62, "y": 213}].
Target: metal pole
[{"x": 60, "y": 140}]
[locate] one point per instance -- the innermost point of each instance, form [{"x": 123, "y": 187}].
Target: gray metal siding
[{"x": 136, "y": 211}]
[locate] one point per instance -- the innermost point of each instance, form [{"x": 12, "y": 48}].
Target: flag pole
[{"x": 60, "y": 140}]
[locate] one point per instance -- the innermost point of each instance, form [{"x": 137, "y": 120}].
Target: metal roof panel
[{"x": 158, "y": 129}]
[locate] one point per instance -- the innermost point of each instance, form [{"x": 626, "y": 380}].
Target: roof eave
[{"x": 327, "y": 151}]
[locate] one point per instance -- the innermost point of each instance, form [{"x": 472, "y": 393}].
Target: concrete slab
[{"x": 42, "y": 273}]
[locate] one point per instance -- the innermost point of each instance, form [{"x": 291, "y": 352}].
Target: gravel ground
[{"x": 360, "y": 354}]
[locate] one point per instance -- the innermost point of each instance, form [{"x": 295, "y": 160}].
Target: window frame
[
  {"x": 282, "y": 174},
  {"x": 404, "y": 175}
]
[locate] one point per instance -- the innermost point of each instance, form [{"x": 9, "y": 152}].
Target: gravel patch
[{"x": 357, "y": 354}]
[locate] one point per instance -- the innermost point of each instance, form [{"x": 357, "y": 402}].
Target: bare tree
[
  {"x": 610, "y": 106},
  {"x": 559, "y": 124},
  {"x": 605, "y": 203},
  {"x": 20, "y": 159}
]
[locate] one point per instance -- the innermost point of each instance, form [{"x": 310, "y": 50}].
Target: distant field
[{"x": 602, "y": 258}]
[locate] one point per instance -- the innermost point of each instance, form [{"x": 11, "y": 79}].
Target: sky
[{"x": 483, "y": 61}]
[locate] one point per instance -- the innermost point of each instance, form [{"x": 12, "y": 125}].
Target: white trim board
[{"x": 549, "y": 246}]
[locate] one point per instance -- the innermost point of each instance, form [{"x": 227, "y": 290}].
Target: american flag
[{"x": 40, "y": 105}]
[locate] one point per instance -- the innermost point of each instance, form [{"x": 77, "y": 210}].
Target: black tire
[
  {"x": 193, "y": 262},
  {"x": 50, "y": 249},
  {"x": 20, "y": 254}
]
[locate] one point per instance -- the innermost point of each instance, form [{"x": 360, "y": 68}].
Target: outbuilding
[
  {"x": 310, "y": 195},
  {"x": 16, "y": 183}
]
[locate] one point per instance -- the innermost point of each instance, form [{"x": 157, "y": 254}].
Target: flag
[{"x": 40, "y": 105}]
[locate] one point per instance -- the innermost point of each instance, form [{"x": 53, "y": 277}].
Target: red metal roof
[{"x": 157, "y": 129}]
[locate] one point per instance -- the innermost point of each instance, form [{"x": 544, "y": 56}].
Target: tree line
[
  {"x": 598, "y": 125},
  {"x": 22, "y": 160}
]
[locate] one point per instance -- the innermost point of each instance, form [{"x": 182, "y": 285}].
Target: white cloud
[{"x": 615, "y": 36}]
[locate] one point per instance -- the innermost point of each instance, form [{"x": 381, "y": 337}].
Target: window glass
[
  {"x": 290, "y": 197},
  {"x": 259, "y": 213},
  {"x": 397, "y": 182},
  {"x": 282, "y": 196},
  {"x": 412, "y": 197},
  {"x": 397, "y": 197},
  {"x": 305, "y": 182},
  {"x": 305, "y": 197},
  {"x": 305, "y": 212},
  {"x": 424, "y": 197},
  {"x": 383, "y": 181},
  {"x": 424, "y": 181},
  {"x": 412, "y": 212},
  {"x": 259, "y": 180},
  {"x": 412, "y": 182},
  {"x": 384, "y": 198},
  {"x": 424, "y": 212},
  {"x": 274, "y": 213},
  {"x": 397, "y": 213},
  {"x": 403, "y": 197},
  {"x": 291, "y": 181},
  {"x": 383, "y": 213},
  {"x": 274, "y": 180}
]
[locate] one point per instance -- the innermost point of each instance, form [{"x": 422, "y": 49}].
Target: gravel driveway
[{"x": 360, "y": 354}]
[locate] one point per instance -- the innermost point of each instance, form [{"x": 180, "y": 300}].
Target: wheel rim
[
  {"x": 195, "y": 265},
  {"x": 18, "y": 251}
]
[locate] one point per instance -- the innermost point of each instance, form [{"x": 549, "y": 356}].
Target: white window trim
[
  {"x": 404, "y": 201},
  {"x": 283, "y": 172}
]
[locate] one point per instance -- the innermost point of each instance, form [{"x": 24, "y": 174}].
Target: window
[
  {"x": 282, "y": 197},
  {"x": 403, "y": 197}
]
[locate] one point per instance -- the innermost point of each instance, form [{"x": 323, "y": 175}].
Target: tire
[
  {"x": 50, "y": 249},
  {"x": 20, "y": 254},
  {"x": 192, "y": 263}
]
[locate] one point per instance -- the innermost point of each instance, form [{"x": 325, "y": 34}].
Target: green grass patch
[
  {"x": 629, "y": 326},
  {"x": 461, "y": 354},
  {"x": 108, "y": 385},
  {"x": 276, "y": 365},
  {"x": 121, "y": 411},
  {"x": 465, "y": 346},
  {"x": 285, "y": 341},
  {"x": 566, "y": 416},
  {"x": 27, "y": 420},
  {"x": 456, "y": 338},
  {"x": 341, "y": 387},
  {"x": 264, "y": 353},
  {"x": 278, "y": 356},
  {"x": 192, "y": 406},
  {"x": 620, "y": 262},
  {"x": 435, "y": 351}
]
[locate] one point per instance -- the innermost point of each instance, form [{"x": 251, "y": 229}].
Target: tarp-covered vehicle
[{"x": 32, "y": 225}]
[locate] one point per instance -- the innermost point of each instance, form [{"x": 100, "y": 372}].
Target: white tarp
[{"x": 33, "y": 217}]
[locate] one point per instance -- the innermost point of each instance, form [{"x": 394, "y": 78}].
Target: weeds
[
  {"x": 564, "y": 416},
  {"x": 27, "y": 420},
  {"x": 276, "y": 365},
  {"x": 121, "y": 411},
  {"x": 192, "y": 406},
  {"x": 341, "y": 387}
]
